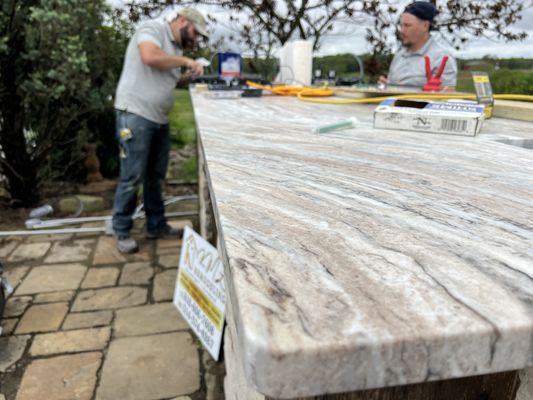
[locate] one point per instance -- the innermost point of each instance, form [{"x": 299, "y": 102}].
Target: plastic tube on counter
[{"x": 344, "y": 124}]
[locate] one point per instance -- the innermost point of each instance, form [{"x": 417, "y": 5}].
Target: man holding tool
[
  {"x": 144, "y": 98},
  {"x": 408, "y": 66}
]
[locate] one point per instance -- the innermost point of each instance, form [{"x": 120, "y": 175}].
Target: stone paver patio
[{"x": 86, "y": 322}]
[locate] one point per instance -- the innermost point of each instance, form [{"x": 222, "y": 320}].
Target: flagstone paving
[
  {"x": 138, "y": 273},
  {"x": 15, "y": 275},
  {"x": 54, "y": 297},
  {"x": 116, "y": 297},
  {"x": 78, "y": 250},
  {"x": 11, "y": 350},
  {"x": 29, "y": 251},
  {"x": 152, "y": 318},
  {"x": 100, "y": 277},
  {"x": 86, "y": 322},
  {"x": 148, "y": 375},
  {"x": 164, "y": 284},
  {"x": 52, "y": 278},
  {"x": 16, "y": 306},
  {"x": 61, "y": 378},
  {"x": 42, "y": 318},
  {"x": 87, "y": 319}
]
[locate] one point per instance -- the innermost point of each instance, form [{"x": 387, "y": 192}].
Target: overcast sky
[
  {"x": 477, "y": 47},
  {"x": 351, "y": 39}
]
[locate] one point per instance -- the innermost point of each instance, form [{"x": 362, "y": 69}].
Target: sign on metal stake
[{"x": 200, "y": 294}]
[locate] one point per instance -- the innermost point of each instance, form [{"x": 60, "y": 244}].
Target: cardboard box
[{"x": 451, "y": 118}]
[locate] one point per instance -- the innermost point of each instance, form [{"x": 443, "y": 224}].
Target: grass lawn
[
  {"x": 464, "y": 82},
  {"x": 183, "y": 133},
  {"x": 182, "y": 128}
]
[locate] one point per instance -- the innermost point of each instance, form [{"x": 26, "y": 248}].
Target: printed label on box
[{"x": 451, "y": 118}]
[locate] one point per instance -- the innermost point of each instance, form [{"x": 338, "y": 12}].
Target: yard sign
[{"x": 200, "y": 294}]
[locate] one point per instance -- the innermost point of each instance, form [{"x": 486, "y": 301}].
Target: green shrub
[
  {"x": 512, "y": 81},
  {"x": 504, "y": 81},
  {"x": 188, "y": 170},
  {"x": 59, "y": 63}
]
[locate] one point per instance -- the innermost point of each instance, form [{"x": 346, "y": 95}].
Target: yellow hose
[
  {"x": 293, "y": 90},
  {"x": 426, "y": 96},
  {"x": 305, "y": 94},
  {"x": 372, "y": 100}
]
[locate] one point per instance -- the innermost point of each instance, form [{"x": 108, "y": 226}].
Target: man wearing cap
[
  {"x": 144, "y": 98},
  {"x": 408, "y": 65}
]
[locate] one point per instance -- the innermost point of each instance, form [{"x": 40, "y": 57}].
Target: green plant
[
  {"x": 512, "y": 81},
  {"x": 55, "y": 82},
  {"x": 188, "y": 171},
  {"x": 182, "y": 133},
  {"x": 182, "y": 125},
  {"x": 503, "y": 81}
]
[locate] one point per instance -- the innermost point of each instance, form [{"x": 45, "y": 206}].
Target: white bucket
[{"x": 296, "y": 63}]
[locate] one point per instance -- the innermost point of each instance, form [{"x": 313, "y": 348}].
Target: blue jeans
[{"x": 143, "y": 159}]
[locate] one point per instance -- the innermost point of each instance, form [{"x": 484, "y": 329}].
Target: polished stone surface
[{"x": 369, "y": 258}]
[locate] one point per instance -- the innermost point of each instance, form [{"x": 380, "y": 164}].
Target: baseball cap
[{"x": 196, "y": 18}]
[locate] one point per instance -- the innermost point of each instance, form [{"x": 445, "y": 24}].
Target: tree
[
  {"x": 54, "y": 80},
  {"x": 263, "y": 25},
  {"x": 458, "y": 21},
  {"x": 15, "y": 162}
]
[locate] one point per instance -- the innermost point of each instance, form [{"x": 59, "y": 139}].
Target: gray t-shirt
[
  {"x": 410, "y": 69},
  {"x": 144, "y": 90}
]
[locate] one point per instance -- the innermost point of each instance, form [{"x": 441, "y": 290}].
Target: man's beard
[
  {"x": 406, "y": 44},
  {"x": 187, "y": 42}
]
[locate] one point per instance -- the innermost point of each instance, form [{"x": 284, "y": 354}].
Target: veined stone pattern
[{"x": 384, "y": 257}]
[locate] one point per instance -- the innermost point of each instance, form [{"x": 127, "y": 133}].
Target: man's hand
[
  {"x": 153, "y": 56},
  {"x": 196, "y": 69},
  {"x": 383, "y": 80}
]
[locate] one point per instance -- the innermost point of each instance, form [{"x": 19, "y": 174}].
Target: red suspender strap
[
  {"x": 428, "y": 67},
  {"x": 441, "y": 67}
]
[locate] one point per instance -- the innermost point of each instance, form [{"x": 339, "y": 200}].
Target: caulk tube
[{"x": 344, "y": 124}]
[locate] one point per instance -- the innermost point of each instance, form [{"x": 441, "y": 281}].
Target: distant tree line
[
  {"x": 496, "y": 63},
  {"x": 374, "y": 65}
]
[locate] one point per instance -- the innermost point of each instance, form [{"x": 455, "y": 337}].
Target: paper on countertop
[{"x": 203, "y": 62}]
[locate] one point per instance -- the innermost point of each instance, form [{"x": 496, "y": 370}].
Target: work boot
[
  {"x": 167, "y": 232},
  {"x": 126, "y": 244}
]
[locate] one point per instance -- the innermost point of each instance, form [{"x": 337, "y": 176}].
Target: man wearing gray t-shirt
[
  {"x": 144, "y": 98},
  {"x": 408, "y": 65}
]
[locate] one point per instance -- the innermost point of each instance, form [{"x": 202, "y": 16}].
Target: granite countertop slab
[{"x": 369, "y": 258}]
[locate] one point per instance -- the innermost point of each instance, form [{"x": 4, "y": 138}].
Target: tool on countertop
[
  {"x": 203, "y": 62},
  {"x": 344, "y": 124},
  {"x": 484, "y": 92},
  {"x": 434, "y": 82}
]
